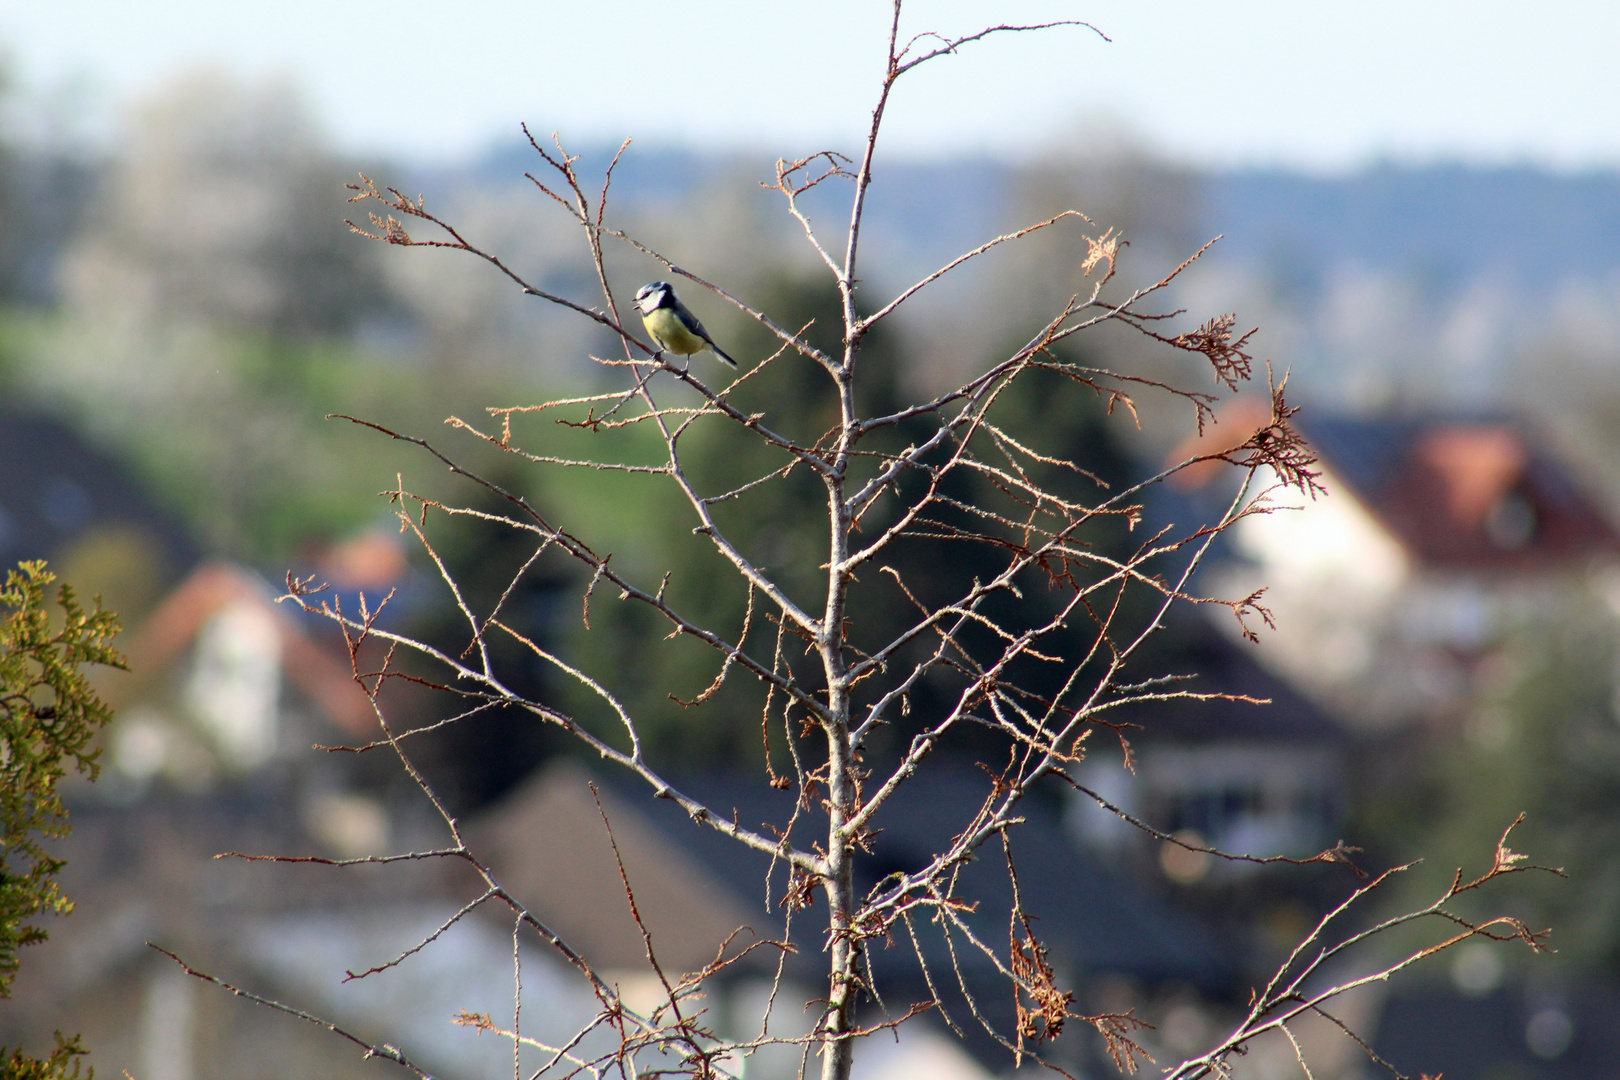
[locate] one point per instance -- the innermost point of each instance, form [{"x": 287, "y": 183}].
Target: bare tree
[{"x": 957, "y": 478}]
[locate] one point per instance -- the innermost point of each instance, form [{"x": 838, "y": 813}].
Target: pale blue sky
[{"x": 1303, "y": 83}]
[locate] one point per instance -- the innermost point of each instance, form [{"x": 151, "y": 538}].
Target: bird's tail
[{"x": 722, "y": 355}]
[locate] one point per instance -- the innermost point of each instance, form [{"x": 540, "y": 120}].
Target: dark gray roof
[
  {"x": 54, "y": 486},
  {"x": 1221, "y": 665},
  {"x": 1095, "y": 918},
  {"x": 1437, "y": 1031}
]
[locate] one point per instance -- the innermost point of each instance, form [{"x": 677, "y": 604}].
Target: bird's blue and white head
[{"x": 654, "y": 295}]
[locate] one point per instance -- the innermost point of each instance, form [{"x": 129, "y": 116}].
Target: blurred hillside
[
  {"x": 1393, "y": 283},
  {"x": 1400, "y": 283},
  {"x": 1396, "y": 288}
]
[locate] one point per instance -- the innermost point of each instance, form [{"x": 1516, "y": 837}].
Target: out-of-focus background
[{"x": 1420, "y": 205}]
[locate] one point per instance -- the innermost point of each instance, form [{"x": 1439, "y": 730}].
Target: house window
[{"x": 1246, "y": 800}]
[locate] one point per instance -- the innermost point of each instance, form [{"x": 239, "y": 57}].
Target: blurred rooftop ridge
[{"x": 1465, "y": 491}]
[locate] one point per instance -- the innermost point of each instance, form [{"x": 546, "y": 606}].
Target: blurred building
[
  {"x": 1258, "y": 771},
  {"x": 1436, "y": 533},
  {"x": 695, "y": 889},
  {"x": 224, "y": 684},
  {"x": 1410, "y": 599},
  {"x": 212, "y": 751}
]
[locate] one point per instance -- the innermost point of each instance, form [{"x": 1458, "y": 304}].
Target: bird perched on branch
[{"x": 671, "y": 325}]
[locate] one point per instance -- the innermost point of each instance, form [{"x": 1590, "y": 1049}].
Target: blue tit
[{"x": 671, "y": 325}]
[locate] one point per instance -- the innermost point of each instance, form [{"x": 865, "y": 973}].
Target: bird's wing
[{"x": 690, "y": 321}]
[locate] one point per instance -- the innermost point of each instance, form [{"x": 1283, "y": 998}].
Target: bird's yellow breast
[{"x": 666, "y": 327}]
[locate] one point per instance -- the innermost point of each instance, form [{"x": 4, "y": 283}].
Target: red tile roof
[{"x": 1469, "y": 494}]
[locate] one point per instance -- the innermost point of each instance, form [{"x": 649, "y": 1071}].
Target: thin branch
[{"x": 372, "y": 1050}]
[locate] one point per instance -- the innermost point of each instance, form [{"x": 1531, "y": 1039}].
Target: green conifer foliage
[
  {"x": 48, "y": 714},
  {"x": 60, "y": 1065}
]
